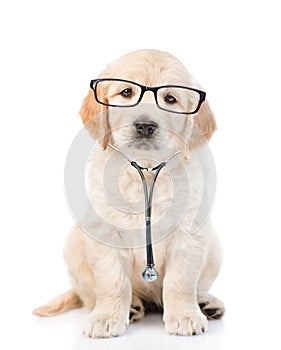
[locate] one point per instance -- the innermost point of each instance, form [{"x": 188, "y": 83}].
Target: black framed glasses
[{"x": 126, "y": 93}]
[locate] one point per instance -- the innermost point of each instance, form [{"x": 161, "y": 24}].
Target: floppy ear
[
  {"x": 204, "y": 125},
  {"x": 94, "y": 116}
]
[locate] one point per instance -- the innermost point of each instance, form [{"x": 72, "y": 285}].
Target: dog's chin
[{"x": 145, "y": 144}]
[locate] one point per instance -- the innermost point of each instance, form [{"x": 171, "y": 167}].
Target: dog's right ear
[{"x": 95, "y": 117}]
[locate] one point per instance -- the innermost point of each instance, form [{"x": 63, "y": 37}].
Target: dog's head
[{"x": 146, "y": 126}]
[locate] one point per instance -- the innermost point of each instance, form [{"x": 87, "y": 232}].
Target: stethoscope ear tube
[{"x": 149, "y": 274}]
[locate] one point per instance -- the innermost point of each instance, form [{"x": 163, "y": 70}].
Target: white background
[{"x": 49, "y": 52}]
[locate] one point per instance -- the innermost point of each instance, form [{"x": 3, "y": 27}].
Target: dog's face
[{"x": 146, "y": 127}]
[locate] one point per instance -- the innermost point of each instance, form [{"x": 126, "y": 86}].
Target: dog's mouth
[{"x": 146, "y": 144}]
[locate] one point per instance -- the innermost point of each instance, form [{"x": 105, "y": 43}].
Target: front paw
[
  {"x": 186, "y": 324},
  {"x": 102, "y": 326}
]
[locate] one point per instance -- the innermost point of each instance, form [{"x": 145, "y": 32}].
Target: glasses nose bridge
[{"x": 153, "y": 90}]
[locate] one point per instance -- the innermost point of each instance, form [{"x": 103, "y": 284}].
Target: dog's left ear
[{"x": 204, "y": 125}]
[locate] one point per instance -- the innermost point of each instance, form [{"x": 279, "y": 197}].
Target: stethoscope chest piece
[{"x": 150, "y": 274}]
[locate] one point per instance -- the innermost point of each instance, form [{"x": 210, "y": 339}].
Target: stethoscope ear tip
[{"x": 150, "y": 274}]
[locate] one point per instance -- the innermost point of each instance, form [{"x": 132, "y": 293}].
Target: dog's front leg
[
  {"x": 182, "y": 315},
  {"x": 110, "y": 316}
]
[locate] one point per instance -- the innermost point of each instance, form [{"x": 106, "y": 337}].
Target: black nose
[{"x": 145, "y": 128}]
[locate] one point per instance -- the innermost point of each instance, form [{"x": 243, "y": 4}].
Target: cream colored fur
[{"x": 106, "y": 279}]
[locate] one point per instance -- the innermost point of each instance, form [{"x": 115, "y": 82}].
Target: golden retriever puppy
[{"x": 147, "y": 105}]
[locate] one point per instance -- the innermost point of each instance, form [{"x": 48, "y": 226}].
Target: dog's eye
[
  {"x": 170, "y": 99},
  {"x": 126, "y": 92}
]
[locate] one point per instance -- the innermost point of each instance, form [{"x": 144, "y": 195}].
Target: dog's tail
[{"x": 64, "y": 302}]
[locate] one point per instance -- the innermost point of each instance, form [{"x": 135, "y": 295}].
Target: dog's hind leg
[
  {"x": 136, "y": 310},
  {"x": 210, "y": 306}
]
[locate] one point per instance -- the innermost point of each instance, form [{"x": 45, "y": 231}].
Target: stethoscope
[{"x": 149, "y": 274}]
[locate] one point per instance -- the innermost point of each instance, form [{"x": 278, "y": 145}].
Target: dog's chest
[
  {"x": 119, "y": 197},
  {"x": 132, "y": 189},
  {"x": 116, "y": 194}
]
